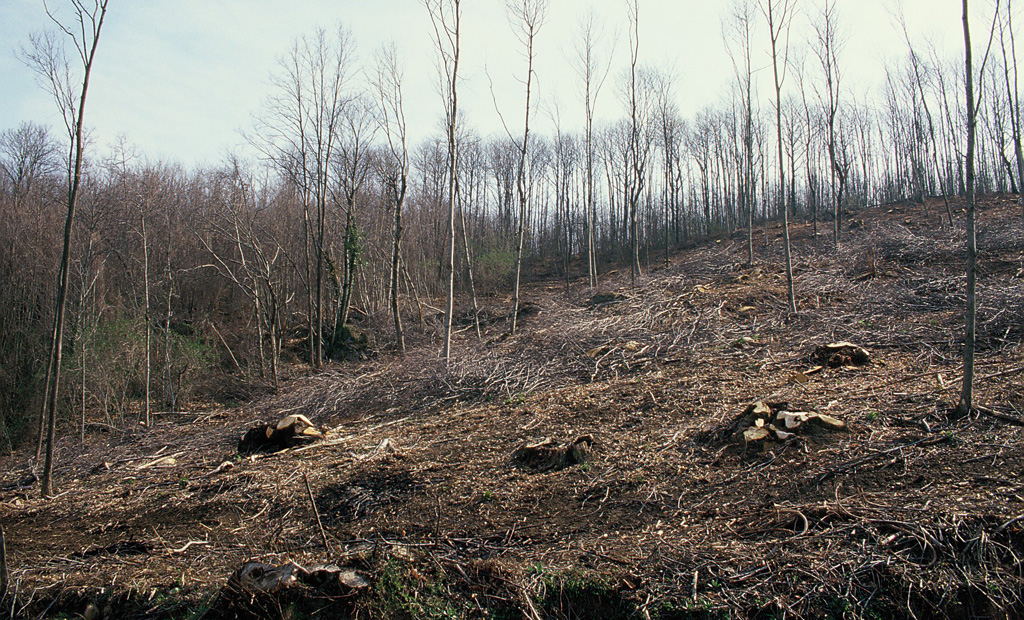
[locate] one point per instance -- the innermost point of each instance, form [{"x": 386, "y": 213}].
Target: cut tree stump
[
  {"x": 258, "y": 590},
  {"x": 840, "y": 354},
  {"x": 761, "y": 422},
  {"x": 256, "y": 577},
  {"x": 290, "y": 432},
  {"x": 546, "y": 455}
]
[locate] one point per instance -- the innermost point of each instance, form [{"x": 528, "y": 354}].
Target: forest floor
[{"x": 422, "y": 490}]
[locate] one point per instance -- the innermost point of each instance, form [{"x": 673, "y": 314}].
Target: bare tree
[
  {"x": 299, "y": 135},
  {"x": 916, "y": 64},
  {"x": 1010, "y": 75},
  {"x": 739, "y": 32},
  {"x": 970, "y": 313},
  {"x": 352, "y": 164},
  {"x": 27, "y": 155},
  {"x": 243, "y": 255},
  {"x": 828, "y": 44},
  {"x": 467, "y": 168},
  {"x": 811, "y": 171},
  {"x": 120, "y": 166},
  {"x": 46, "y": 56},
  {"x": 446, "y": 18},
  {"x": 670, "y": 126},
  {"x": 526, "y": 17},
  {"x": 593, "y": 68},
  {"x": 394, "y": 167},
  {"x": 637, "y": 163},
  {"x": 779, "y": 16}
]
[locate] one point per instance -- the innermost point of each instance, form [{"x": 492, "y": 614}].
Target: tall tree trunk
[
  {"x": 775, "y": 30},
  {"x": 530, "y": 15},
  {"x": 148, "y": 327},
  {"x": 396, "y": 261},
  {"x": 1013, "y": 94},
  {"x": 77, "y": 152},
  {"x": 970, "y": 313}
]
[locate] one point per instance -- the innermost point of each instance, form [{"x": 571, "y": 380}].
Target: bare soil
[{"x": 911, "y": 512}]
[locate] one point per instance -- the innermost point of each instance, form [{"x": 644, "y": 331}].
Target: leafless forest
[{"x": 630, "y": 286}]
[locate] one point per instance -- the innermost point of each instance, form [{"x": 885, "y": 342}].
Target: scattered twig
[
  {"x": 159, "y": 461},
  {"x": 316, "y": 511},
  {"x": 190, "y": 543}
]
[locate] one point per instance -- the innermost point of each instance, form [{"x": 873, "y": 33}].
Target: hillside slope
[{"x": 422, "y": 484}]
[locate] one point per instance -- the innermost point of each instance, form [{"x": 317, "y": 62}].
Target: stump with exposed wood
[
  {"x": 290, "y": 432},
  {"x": 762, "y": 422},
  {"x": 258, "y": 590},
  {"x": 839, "y": 354}
]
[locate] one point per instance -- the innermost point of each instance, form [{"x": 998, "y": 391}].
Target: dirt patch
[{"x": 365, "y": 494}]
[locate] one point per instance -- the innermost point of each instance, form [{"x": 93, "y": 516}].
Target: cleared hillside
[{"x": 423, "y": 488}]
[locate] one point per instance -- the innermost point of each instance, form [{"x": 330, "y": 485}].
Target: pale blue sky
[{"x": 180, "y": 78}]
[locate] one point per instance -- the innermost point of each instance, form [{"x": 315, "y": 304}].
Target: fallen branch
[
  {"x": 3, "y": 565},
  {"x": 341, "y": 440},
  {"x": 1005, "y": 373},
  {"x": 316, "y": 511},
  {"x": 925, "y": 442},
  {"x": 163, "y": 459},
  {"x": 1002, "y": 527},
  {"x": 1002, "y": 417}
]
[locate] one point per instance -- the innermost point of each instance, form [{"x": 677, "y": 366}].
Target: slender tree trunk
[
  {"x": 775, "y": 30},
  {"x": 452, "y": 32},
  {"x": 148, "y": 327},
  {"x": 348, "y": 269},
  {"x": 41, "y": 438},
  {"x": 77, "y": 152},
  {"x": 748, "y": 147},
  {"x": 83, "y": 348},
  {"x": 970, "y": 314},
  {"x": 321, "y": 208},
  {"x": 591, "y": 208},
  {"x": 531, "y": 14},
  {"x": 636, "y": 176},
  {"x": 469, "y": 271},
  {"x": 170, "y": 398},
  {"x": 1014, "y": 96},
  {"x": 396, "y": 261},
  {"x": 411, "y": 287},
  {"x": 310, "y": 308}
]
